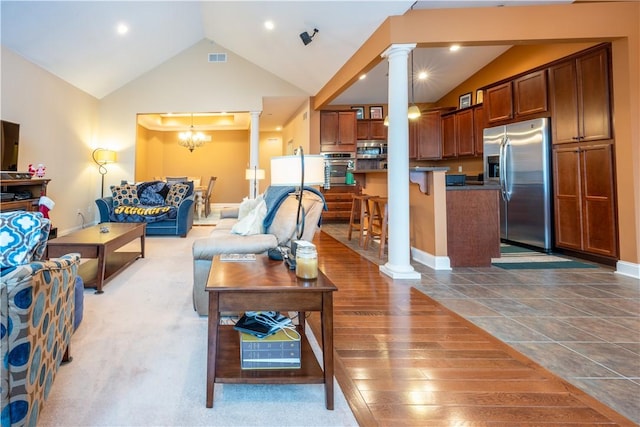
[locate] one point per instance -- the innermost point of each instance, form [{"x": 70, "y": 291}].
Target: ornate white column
[
  {"x": 399, "y": 264},
  {"x": 254, "y": 140}
]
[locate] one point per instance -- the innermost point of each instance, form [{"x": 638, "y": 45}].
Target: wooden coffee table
[
  {"x": 90, "y": 242},
  {"x": 264, "y": 285}
]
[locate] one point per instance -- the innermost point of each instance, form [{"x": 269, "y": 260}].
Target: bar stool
[
  {"x": 360, "y": 214},
  {"x": 378, "y": 222}
]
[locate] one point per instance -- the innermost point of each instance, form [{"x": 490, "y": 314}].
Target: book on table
[{"x": 277, "y": 351}]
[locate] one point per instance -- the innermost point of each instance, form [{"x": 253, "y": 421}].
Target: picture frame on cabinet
[
  {"x": 359, "y": 112},
  {"x": 479, "y": 96},
  {"x": 465, "y": 100},
  {"x": 375, "y": 112}
]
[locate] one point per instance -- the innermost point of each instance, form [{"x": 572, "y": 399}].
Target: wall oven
[{"x": 336, "y": 167}]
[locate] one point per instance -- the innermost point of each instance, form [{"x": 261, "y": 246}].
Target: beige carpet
[{"x": 139, "y": 359}]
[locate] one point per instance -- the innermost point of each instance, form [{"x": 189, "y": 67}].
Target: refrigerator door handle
[
  {"x": 501, "y": 168},
  {"x": 505, "y": 179}
]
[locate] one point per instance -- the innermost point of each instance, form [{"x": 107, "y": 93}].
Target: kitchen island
[{"x": 451, "y": 226}]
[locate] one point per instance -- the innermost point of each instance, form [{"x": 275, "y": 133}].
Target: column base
[{"x": 400, "y": 272}]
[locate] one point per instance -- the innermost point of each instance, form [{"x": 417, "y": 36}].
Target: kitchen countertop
[{"x": 473, "y": 187}]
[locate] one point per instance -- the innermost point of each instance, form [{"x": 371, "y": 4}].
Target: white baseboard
[
  {"x": 628, "y": 269},
  {"x": 431, "y": 261}
]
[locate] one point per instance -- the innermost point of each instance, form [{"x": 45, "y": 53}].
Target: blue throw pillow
[
  {"x": 23, "y": 237},
  {"x": 152, "y": 193}
]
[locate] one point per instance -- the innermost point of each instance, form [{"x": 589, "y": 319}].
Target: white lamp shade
[
  {"x": 413, "y": 112},
  {"x": 256, "y": 174},
  {"x": 286, "y": 170}
]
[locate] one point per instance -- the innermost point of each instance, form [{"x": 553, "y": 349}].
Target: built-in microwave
[{"x": 371, "y": 149}]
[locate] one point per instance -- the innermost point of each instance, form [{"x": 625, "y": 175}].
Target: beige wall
[
  {"x": 549, "y": 24},
  {"x": 58, "y": 128}
]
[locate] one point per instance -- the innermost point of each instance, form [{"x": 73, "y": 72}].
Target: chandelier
[{"x": 191, "y": 139}]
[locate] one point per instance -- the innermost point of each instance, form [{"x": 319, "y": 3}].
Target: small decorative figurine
[{"x": 38, "y": 170}]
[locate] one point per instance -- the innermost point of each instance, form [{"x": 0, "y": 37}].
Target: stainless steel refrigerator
[{"x": 517, "y": 158}]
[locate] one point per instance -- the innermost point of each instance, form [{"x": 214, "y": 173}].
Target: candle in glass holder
[{"x": 307, "y": 262}]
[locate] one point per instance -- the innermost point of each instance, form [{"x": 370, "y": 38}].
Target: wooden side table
[{"x": 264, "y": 285}]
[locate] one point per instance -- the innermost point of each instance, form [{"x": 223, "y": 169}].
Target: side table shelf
[{"x": 229, "y": 371}]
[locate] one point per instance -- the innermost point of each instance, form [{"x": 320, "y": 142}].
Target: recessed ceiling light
[
  {"x": 362, "y": 77},
  {"x": 454, "y": 47},
  {"x": 269, "y": 25},
  {"x": 422, "y": 75},
  {"x": 122, "y": 29},
  {"x": 278, "y": 128}
]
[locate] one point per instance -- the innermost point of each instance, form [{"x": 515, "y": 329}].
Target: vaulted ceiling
[{"x": 79, "y": 42}]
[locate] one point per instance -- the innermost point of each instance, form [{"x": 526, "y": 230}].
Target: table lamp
[{"x": 298, "y": 170}]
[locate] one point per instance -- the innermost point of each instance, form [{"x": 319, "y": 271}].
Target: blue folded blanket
[{"x": 276, "y": 194}]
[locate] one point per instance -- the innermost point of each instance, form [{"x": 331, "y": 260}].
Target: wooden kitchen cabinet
[
  {"x": 584, "y": 198},
  {"x": 478, "y": 126},
  {"x": 464, "y": 132},
  {"x": 338, "y": 131},
  {"x": 580, "y": 98},
  {"x": 498, "y": 103},
  {"x": 371, "y": 129},
  {"x": 425, "y": 135},
  {"x": 449, "y": 136},
  {"x": 530, "y": 94}
]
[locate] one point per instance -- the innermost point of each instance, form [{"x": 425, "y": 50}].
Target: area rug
[
  {"x": 518, "y": 258},
  {"x": 139, "y": 359}
]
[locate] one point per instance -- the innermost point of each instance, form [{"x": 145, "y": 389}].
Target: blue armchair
[{"x": 37, "y": 312}]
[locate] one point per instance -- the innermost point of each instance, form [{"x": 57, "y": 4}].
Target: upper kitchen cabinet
[
  {"x": 498, "y": 103},
  {"x": 425, "y": 135},
  {"x": 371, "y": 129},
  {"x": 530, "y": 94},
  {"x": 459, "y": 133},
  {"x": 338, "y": 131},
  {"x": 478, "y": 126},
  {"x": 522, "y": 97},
  {"x": 580, "y": 98}
]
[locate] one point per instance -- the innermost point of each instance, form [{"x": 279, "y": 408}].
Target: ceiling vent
[{"x": 217, "y": 57}]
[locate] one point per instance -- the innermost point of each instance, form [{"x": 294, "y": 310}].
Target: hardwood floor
[{"x": 401, "y": 358}]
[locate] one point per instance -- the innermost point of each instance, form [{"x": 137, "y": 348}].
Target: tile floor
[{"x": 581, "y": 324}]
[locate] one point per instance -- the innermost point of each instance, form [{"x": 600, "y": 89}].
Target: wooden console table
[{"x": 266, "y": 285}]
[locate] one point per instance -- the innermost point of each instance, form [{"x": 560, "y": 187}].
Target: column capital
[{"x": 396, "y": 49}]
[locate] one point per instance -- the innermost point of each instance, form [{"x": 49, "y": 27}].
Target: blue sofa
[{"x": 150, "y": 202}]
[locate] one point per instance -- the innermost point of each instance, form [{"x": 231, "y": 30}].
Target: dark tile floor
[{"x": 581, "y": 324}]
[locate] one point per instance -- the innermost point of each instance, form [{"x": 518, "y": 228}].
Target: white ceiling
[{"x": 77, "y": 41}]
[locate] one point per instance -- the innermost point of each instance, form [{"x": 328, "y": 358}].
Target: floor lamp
[
  {"x": 298, "y": 170},
  {"x": 102, "y": 156}
]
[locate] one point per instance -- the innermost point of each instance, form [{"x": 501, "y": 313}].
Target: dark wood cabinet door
[
  {"x": 530, "y": 93},
  {"x": 448, "y": 136},
  {"x": 580, "y": 99},
  {"x": 498, "y": 103},
  {"x": 478, "y": 125},
  {"x": 429, "y": 141},
  {"x": 584, "y": 199},
  {"x": 567, "y": 197},
  {"x": 593, "y": 96},
  {"x": 338, "y": 131},
  {"x": 347, "y": 129},
  {"x": 564, "y": 103},
  {"x": 362, "y": 127},
  {"x": 600, "y": 227},
  {"x": 328, "y": 127},
  {"x": 413, "y": 139},
  {"x": 377, "y": 129},
  {"x": 464, "y": 133}
]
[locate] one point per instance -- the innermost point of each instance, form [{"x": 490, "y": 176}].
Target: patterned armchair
[{"x": 36, "y": 317}]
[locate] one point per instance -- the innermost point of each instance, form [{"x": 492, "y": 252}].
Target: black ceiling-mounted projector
[{"x": 306, "y": 38}]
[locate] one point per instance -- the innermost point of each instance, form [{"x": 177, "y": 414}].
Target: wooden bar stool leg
[
  {"x": 352, "y": 218},
  {"x": 374, "y": 222},
  {"x": 383, "y": 230},
  {"x": 364, "y": 220}
]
